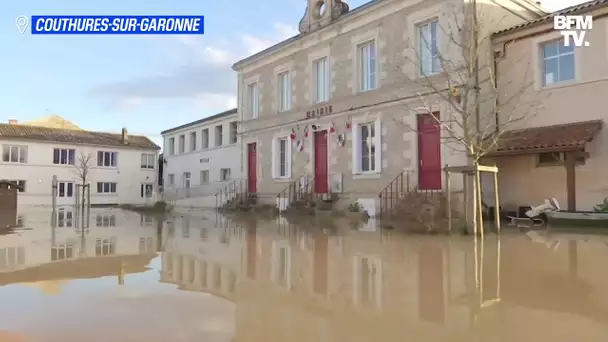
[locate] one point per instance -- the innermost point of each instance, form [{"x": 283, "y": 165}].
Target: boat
[{"x": 573, "y": 219}]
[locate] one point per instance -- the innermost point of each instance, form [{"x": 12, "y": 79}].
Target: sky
[{"x": 146, "y": 83}]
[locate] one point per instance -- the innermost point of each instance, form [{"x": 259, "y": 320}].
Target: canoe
[{"x": 577, "y": 219}]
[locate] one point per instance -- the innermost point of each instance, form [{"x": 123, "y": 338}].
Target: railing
[
  {"x": 236, "y": 190},
  {"x": 209, "y": 189},
  {"x": 297, "y": 190},
  {"x": 394, "y": 191}
]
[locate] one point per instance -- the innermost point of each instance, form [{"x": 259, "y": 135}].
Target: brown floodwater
[{"x": 112, "y": 275}]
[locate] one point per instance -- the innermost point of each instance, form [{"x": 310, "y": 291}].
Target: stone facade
[{"x": 392, "y": 105}]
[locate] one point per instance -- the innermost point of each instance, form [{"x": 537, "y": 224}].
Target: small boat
[{"x": 575, "y": 219}]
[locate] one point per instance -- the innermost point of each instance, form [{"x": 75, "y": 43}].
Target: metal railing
[
  {"x": 237, "y": 190},
  {"x": 297, "y": 190},
  {"x": 394, "y": 191},
  {"x": 209, "y": 189}
]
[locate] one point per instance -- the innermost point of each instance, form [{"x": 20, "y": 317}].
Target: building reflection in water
[{"x": 292, "y": 283}]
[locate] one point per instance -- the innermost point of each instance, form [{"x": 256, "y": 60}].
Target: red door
[
  {"x": 321, "y": 186},
  {"x": 252, "y": 178},
  {"x": 430, "y": 283},
  {"x": 321, "y": 249},
  {"x": 429, "y": 152}
]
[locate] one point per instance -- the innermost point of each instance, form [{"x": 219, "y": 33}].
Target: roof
[
  {"x": 52, "y": 121},
  {"x": 203, "y": 120},
  {"x": 556, "y": 138},
  {"x": 576, "y": 9},
  {"x": 71, "y": 136}
]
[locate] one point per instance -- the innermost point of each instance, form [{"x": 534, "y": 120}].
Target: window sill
[
  {"x": 367, "y": 175},
  {"x": 12, "y": 163},
  {"x": 565, "y": 84},
  {"x": 282, "y": 179}
]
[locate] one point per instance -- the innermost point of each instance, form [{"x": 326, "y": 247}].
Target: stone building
[{"x": 336, "y": 108}]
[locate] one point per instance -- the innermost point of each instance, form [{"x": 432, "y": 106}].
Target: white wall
[
  {"x": 35, "y": 243},
  {"x": 39, "y": 170},
  {"x": 219, "y": 157}
]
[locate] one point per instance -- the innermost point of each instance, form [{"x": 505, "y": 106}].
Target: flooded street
[{"x": 205, "y": 277}]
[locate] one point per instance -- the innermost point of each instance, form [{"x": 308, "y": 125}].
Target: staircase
[
  {"x": 235, "y": 194},
  {"x": 299, "y": 192},
  {"x": 400, "y": 198}
]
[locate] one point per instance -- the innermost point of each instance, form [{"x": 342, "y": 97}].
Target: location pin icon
[{"x": 22, "y": 23}]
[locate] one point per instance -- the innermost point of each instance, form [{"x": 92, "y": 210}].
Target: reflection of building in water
[
  {"x": 202, "y": 255},
  {"x": 363, "y": 286},
  {"x": 68, "y": 251}
]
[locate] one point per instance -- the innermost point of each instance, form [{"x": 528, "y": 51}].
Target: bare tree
[{"x": 82, "y": 169}]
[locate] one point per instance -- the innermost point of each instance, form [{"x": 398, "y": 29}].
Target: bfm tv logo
[{"x": 573, "y": 26}]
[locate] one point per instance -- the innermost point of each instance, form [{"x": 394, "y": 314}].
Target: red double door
[
  {"x": 321, "y": 163},
  {"x": 429, "y": 152}
]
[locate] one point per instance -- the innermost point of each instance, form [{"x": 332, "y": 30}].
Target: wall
[
  {"x": 39, "y": 171},
  {"x": 521, "y": 181}
]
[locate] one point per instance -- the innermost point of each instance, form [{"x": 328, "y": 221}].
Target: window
[
  {"x": 204, "y": 176},
  {"x": 148, "y": 160},
  {"x": 281, "y": 151},
  {"x": 233, "y": 132},
  {"x": 65, "y": 189},
  {"x": 367, "y": 66},
  {"x": 105, "y": 247},
  {"x": 64, "y": 218},
  {"x": 253, "y": 101},
  {"x": 21, "y": 184},
  {"x": 14, "y": 154},
  {"x": 367, "y": 148},
  {"x": 106, "y": 188},
  {"x": 106, "y": 159},
  {"x": 64, "y": 156},
  {"x": 205, "y": 138},
  {"x": 171, "y": 179},
  {"x": 146, "y": 245},
  {"x": 186, "y": 177},
  {"x": 555, "y": 159},
  {"x": 105, "y": 221},
  {"x": 558, "y": 62},
  {"x": 171, "y": 146},
  {"x": 219, "y": 132},
  {"x": 281, "y": 262},
  {"x": 11, "y": 257},
  {"x": 428, "y": 37},
  {"x": 192, "y": 141},
  {"x": 284, "y": 91},
  {"x": 321, "y": 81},
  {"x": 62, "y": 252},
  {"x": 224, "y": 174},
  {"x": 182, "y": 143},
  {"x": 146, "y": 190}
]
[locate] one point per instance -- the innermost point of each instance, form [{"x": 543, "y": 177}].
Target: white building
[
  {"x": 201, "y": 158},
  {"x": 122, "y": 169}
]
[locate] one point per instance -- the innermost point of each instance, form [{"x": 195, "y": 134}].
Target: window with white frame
[
  {"x": 253, "y": 100},
  {"x": 284, "y": 91},
  {"x": 107, "y": 159},
  {"x": 182, "y": 143},
  {"x": 148, "y": 160},
  {"x": 65, "y": 218},
  {"x": 219, "y": 135},
  {"x": 367, "y": 147},
  {"x": 367, "y": 66},
  {"x": 558, "y": 62},
  {"x": 171, "y": 179},
  {"x": 11, "y": 257},
  {"x": 224, "y": 174},
  {"x": 321, "y": 82},
  {"x": 192, "y": 141},
  {"x": 145, "y": 190},
  {"x": 428, "y": 41},
  {"x": 106, "y": 188},
  {"x": 62, "y": 252},
  {"x": 14, "y": 154},
  {"x": 205, "y": 138},
  {"x": 186, "y": 179},
  {"x": 171, "y": 147},
  {"x": 105, "y": 220},
  {"x": 233, "y": 132},
  {"x": 281, "y": 152},
  {"x": 64, "y": 156},
  {"x": 105, "y": 247},
  {"x": 204, "y": 177},
  {"x": 146, "y": 246}
]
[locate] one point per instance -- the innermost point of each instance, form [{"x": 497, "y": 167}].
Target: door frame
[
  {"x": 247, "y": 156},
  {"x": 245, "y": 161},
  {"x": 418, "y": 159},
  {"x": 311, "y": 140}
]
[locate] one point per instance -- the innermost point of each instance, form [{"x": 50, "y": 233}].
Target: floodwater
[{"x": 204, "y": 277}]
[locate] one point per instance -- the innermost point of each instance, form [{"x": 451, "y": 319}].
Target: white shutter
[
  {"x": 378, "y": 142},
  {"x": 356, "y": 145},
  {"x": 274, "y": 164}
]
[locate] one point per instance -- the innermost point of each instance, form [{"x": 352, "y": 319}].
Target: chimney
[
  {"x": 125, "y": 136},
  {"x": 12, "y": 122},
  {"x": 539, "y": 3}
]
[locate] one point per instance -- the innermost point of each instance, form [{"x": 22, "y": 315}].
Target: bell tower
[{"x": 320, "y": 13}]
